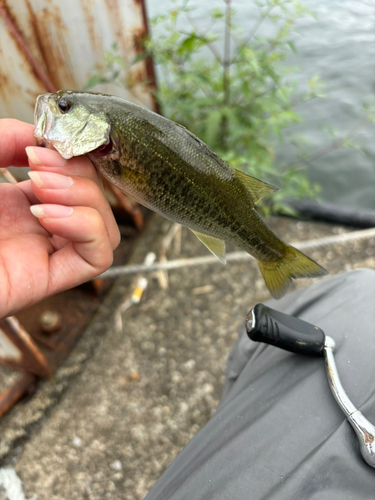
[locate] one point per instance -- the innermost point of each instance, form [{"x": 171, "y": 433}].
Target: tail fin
[{"x": 278, "y": 275}]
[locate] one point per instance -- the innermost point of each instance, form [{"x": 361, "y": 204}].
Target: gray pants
[{"x": 278, "y": 433}]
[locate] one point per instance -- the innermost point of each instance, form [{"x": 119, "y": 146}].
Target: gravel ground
[{"x": 131, "y": 396}]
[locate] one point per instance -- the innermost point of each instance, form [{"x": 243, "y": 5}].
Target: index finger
[{"x": 15, "y": 136}]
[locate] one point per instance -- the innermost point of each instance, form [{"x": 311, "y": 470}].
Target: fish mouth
[{"x": 42, "y": 119}]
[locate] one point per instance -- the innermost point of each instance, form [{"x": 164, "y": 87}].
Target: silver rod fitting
[{"x": 364, "y": 429}]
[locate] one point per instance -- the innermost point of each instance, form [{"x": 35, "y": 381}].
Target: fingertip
[
  {"x": 37, "y": 211},
  {"x": 51, "y": 211},
  {"x": 50, "y": 180},
  {"x": 31, "y": 155},
  {"x": 35, "y": 177},
  {"x": 45, "y": 157}
]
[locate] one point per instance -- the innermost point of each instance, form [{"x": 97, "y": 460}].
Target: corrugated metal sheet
[{"x": 47, "y": 45}]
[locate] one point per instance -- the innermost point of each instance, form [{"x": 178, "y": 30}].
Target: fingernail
[
  {"x": 44, "y": 156},
  {"x": 50, "y": 180},
  {"x": 53, "y": 211}
]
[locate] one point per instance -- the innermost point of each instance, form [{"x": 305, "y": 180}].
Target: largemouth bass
[{"x": 169, "y": 170}]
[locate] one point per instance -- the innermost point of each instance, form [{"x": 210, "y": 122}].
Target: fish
[{"x": 169, "y": 170}]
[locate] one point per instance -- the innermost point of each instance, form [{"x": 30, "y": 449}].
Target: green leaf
[
  {"x": 292, "y": 46},
  {"x": 217, "y": 14},
  {"x": 140, "y": 57},
  {"x": 94, "y": 80},
  {"x": 187, "y": 45}
]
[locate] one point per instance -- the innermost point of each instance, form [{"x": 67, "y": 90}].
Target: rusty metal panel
[{"x": 47, "y": 45}]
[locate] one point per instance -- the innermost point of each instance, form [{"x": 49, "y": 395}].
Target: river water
[{"x": 339, "y": 45}]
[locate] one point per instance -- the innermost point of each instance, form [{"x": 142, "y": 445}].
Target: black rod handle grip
[{"x": 264, "y": 324}]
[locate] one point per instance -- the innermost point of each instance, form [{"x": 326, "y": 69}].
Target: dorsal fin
[
  {"x": 256, "y": 188},
  {"x": 215, "y": 245}
]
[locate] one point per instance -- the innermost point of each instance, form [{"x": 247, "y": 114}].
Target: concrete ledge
[{"x": 127, "y": 400}]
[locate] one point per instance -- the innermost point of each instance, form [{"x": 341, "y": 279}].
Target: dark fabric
[{"x": 278, "y": 433}]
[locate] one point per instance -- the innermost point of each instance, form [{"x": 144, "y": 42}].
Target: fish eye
[{"x": 64, "y": 105}]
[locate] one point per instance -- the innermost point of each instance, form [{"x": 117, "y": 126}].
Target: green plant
[{"x": 229, "y": 86}]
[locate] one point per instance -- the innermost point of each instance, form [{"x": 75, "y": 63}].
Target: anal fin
[{"x": 215, "y": 245}]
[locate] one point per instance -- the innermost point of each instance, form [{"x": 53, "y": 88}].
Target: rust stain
[
  {"x": 30, "y": 94},
  {"x": 9, "y": 89},
  {"x": 119, "y": 28},
  {"x": 17, "y": 35},
  {"x": 149, "y": 63},
  {"x": 131, "y": 40},
  {"x": 139, "y": 35},
  {"x": 46, "y": 43},
  {"x": 5, "y": 86},
  {"x": 48, "y": 37},
  {"x": 34, "y": 25},
  {"x": 95, "y": 38}
]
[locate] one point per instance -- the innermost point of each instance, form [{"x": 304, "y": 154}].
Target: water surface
[{"x": 339, "y": 45}]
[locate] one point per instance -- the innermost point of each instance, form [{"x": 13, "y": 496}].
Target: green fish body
[{"x": 169, "y": 170}]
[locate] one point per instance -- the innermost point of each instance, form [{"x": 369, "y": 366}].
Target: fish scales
[
  {"x": 169, "y": 170},
  {"x": 171, "y": 178}
]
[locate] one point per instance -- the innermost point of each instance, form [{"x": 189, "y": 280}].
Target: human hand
[{"x": 57, "y": 230}]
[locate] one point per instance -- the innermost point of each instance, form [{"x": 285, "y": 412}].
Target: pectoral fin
[
  {"x": 256, "y": 188},
  {"x": 215, "y": 245}
]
